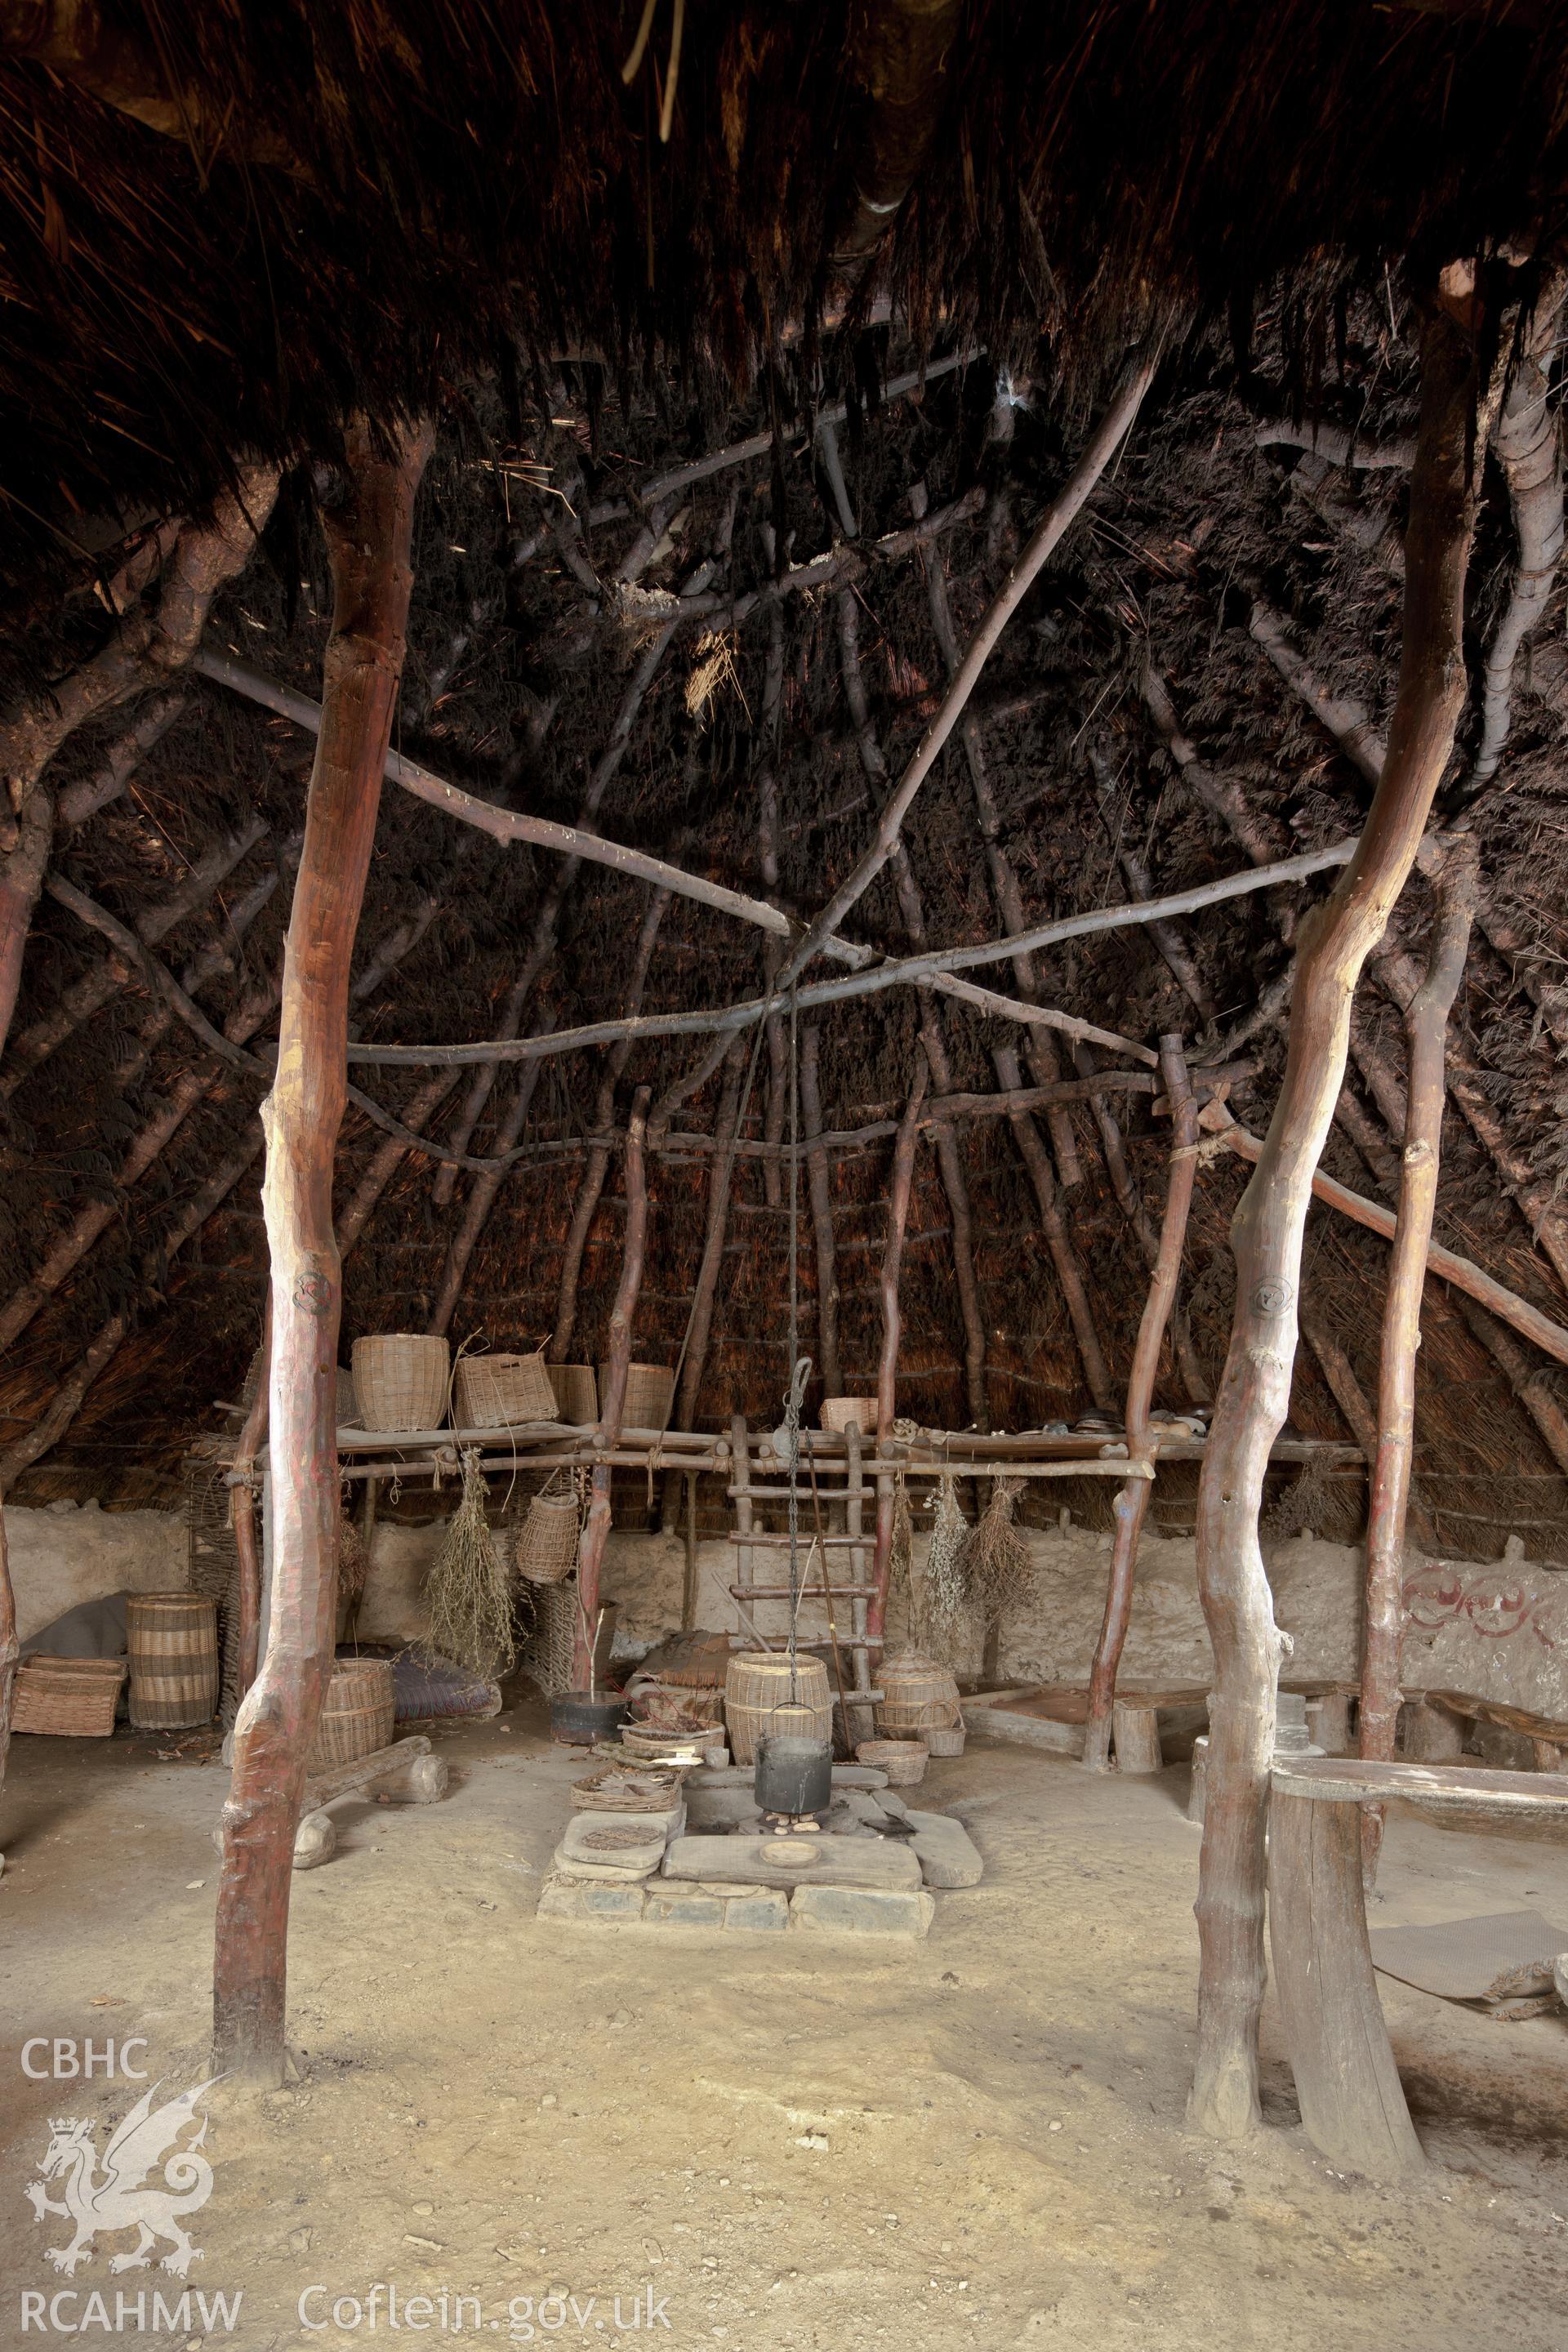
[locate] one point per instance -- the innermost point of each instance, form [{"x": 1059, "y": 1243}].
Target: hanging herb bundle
[
  {"x": 468, "y": 1590},
  {"x": 947, "y": 1573},
  {"x": 1001, "y": 1572}
]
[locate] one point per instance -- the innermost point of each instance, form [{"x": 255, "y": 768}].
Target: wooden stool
[{"x": 1352, "y": 2101}]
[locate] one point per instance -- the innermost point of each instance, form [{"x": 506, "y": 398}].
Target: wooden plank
[
  {"x": 1345, "y": 1780},
  {"x": 1352, "y": 2106}
]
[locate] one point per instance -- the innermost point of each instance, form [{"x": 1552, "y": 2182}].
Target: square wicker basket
[{"x": 75, "y": 1699}]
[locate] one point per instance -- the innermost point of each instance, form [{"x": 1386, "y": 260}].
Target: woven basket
[
  {"x": 576, "y": 1395},
  {"x": 502, "y": 1392},
  {"x": 73, "y": 1697},
  {"x": 850, "y": 1412},
  {"x": 919, "y": 1697},
  {"x": 758, "y": 1682},
  {"x": 400, "y": 1379},
  {"x": 171, "y": 1638},
  {"x": 652, "y": 1790},
  {"x": 545, "y": 1551},
  {"x": 903, "y": 1761},
  {"x": 357, "y": 1714},
  {"x": 650, "y": 1392}
]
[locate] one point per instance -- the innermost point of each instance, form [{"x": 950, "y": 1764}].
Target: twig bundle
[
  {"x": 715, "y": 668},
  {"x": 1000, "y": 1571},
  {"x": 947, "y": 1590},
  {"x": 467, "y": 1594}
]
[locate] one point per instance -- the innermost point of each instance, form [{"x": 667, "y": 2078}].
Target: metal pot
[
  {"x": 793, "y": 1774},
  {"x": 581, "y": 1718}
]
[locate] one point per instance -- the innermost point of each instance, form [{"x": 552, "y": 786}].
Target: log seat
[{"x": 1353, "y": 2104}]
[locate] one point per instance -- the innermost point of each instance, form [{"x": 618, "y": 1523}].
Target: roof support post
[
  {"x": 1268, "y": 1234},
  {"x": 368, "y": 543},
  {"x": 613, "y": 1403}
]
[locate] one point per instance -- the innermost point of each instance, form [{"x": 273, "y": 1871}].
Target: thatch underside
[{"x": 512, "y": 690}]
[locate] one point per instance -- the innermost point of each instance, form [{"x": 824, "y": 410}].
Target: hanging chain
[{"x": 798, "y": 1370}]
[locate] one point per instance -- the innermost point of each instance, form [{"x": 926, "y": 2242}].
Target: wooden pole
[
  {"x": 1427, "y": 1028},
  {"x": 613, "y": 1403},
  {"x": 1058, "y": 1241},
  {"x": 888, "y": 1363},
  {"x": 242, "y": 1509},
  {"x": 368, "y": 539},
  {"x": 593, "y": 1178},
  {"x": 1268, "y": 1233},
  {"x": 820, "y": 1191},
  {"x": 1132, "y": 1499}
]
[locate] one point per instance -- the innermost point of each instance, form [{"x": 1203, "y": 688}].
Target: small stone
[
  {"x": 1053, "y": 2126},
  {"x": 194, "y": 1886},
  {"x": 424, "y": 2209},
  {"x": 550, "y": 2100},
  {"x": 424, "y": 2245},
  {"x": 811, "y": 2139}
]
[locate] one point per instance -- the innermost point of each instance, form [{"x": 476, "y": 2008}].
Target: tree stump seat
[{"x": 1353, "y": 2104}]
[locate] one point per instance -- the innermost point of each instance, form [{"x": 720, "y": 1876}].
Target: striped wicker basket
[
  {"x": 75, "y": 1699},
  {"x": 545, "y": 1551},
  {"x": 171, "y": 1638},
  {"x": 850, "y": 1412},
  {"x": 650, "y": 1393},
  {"x": 576, "y": 1393},
  {"x": 502, "y": 1392},
  {"x": 400, "y": 1378},
  {"x": 357, "y": 1714}
]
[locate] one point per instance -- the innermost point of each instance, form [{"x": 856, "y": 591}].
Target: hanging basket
[
  {"x": 576, "y": 1395},
  {"x": 502, "y": 1392},
  {"x": 400, "y": 1379},
  {"x": 650, "y": 1393},
  {"x": 850, "y": 1412},
  {"x": 546, "y": 1546}
]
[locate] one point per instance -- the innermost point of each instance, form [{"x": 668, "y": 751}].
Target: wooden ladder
[{"x": 843, "y": 1510}]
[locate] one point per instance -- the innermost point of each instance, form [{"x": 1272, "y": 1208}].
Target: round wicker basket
[
  {"x": 850, "y": 1412},
  {"x": 758, "y": 1684},
  {"x": 903, "y": 1761},
  {"x": 650, "y": 1394},
  {"x": 357, "y": 1712},
  {"x": 546, "y": 1547},
  {"x": 576, "y": 1395},
  {"x": 400, "y": 1379},
  {"x": 501, "y": 1391},
  {"x": 919, "y": 1697},
  {"x": 171, "y": 1639}
]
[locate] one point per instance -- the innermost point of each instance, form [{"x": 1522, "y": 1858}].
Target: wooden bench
[{"x": 1352, "y": 2101}]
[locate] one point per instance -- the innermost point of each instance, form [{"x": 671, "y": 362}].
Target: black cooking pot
[
  {"x": 793, "y": 1774},
  {"x": 581, "y": 1718}
]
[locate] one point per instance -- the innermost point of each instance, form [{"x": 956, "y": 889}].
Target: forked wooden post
[
  {"x": 1267, "y": 1236},
  {"x": 888, "y": 1363},
  {"x": 368, "y": 538},
  {"x": 613, "y": 1403},
  {"x": 242, "y": 1510},
  {"x": 1427, "y": 1028},
  {"x": 1132, "y": 1499}
]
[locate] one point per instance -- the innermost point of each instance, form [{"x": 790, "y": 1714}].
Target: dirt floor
[{"x": 783, "y": 2142}]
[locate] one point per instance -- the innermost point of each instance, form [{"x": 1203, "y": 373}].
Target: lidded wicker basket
[
  {"x": 919, "y": 1697},
  {"x": 758, "y": 1682},
  {"x": 576, "y": 1393},
  {"x": 850, "y": 1412},
  {"x": 357, "y": 1712},
  {"x": 502, "y": 1392},
  {"x": 400, "y": 1379},
  {"x": 545, "y": 1550},
  {"x": 650, "y": 1393}
]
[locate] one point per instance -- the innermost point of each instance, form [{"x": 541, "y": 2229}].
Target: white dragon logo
[{"x": 118, "y": 2200}]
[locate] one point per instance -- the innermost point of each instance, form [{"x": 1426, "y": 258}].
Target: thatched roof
[
  {"x": 511, "y": 688},
  {"x": 223, "y": 228}
]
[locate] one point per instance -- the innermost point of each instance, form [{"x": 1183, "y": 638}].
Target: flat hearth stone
[
  {"x": 837, "y": 1862},
  {"x": 673, "y": 1906},
  {"x": 708, "y": 1809},
  {"x": 577, "y": 1850},
  {"x": 601, "y": 1874},
  {"x": 862, "y": 1910},
  {"x": 946, "y": 1852},
  {"x": 766, "y": 1912},
  {"x": 603, "y": 1905}
]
